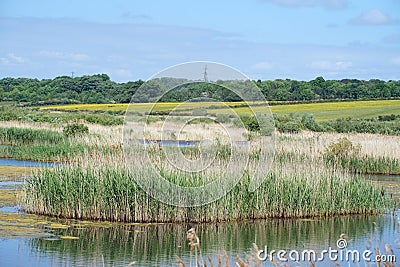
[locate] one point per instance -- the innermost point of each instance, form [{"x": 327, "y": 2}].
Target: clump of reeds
[
  {"x": 346, "y": 155},
  {"x": 97, "y": 186},
  {"x": 14, "y": 136},
  {"x": 49, "y": 145}
]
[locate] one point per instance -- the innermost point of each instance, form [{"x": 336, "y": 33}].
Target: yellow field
[{"x": 321, "y": 111}]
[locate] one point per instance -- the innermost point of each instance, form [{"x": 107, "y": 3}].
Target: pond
[
  {"x": 24, "y": 163},
  {"x": 34, "y": 240},
  {"x": 158, "y": 245}
]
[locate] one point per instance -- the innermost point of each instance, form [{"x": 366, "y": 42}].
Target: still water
[
  {"x": 24, "y": 163},
  {"x": 42, "y": 241},
  {"x": 158, "y": 245}
]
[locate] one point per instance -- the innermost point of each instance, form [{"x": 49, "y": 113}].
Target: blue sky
[{"x": 265, "y": 39}]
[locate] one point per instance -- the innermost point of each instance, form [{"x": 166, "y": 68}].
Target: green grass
[
  {"x": 60, "y": 152},
  {"x": 334, "y": 110},
  {"x": 370, "y": 165},
  {"x": 36, "y": 144},
  {"x": 26, "y": 114},
  {"x": 105, "y": 191},
  {"x": 321, "y": 111},
  {"x": 14, "y": 136}
]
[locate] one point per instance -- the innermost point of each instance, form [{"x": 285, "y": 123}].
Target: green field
[{"x": 321, "y": 111}]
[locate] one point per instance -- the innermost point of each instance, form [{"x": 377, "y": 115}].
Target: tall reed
[
  {"x": 14, "y": 136},
  {"x": 99, "y": 187}
]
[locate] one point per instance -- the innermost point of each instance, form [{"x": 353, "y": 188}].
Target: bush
[
  {"x": 390, "y": 117},
  {"x": 342, "y": 149},
  {"x": 250, "y": 123},
  {"x": 199, "y": 112},
  {"x": 223, "y": 118},
  {"x": 200, "y": 120},
  {"x": 75, "y": 129},
  {"x": 309, "y": 123},
  {"x": 289, "y": 127}
]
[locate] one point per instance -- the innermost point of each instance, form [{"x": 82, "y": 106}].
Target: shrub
[
  {"x": 75, "y": 129},
  {"x": 251, "y": 123},
  {"x": 199, "y": 112},
  {"x": 201, "y": 120},
  {"x": 223, "y": 118},
  {"x": 289, "y": 127},
  {"x": 309, "y": 122},
  {"x": 341, "y": 150},
  {"x": 390, "y": 117}
]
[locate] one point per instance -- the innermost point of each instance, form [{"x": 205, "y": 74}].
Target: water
[
  {"x": 34, "y": 242},
  {"x": 12, "y": 209},
  {"x": 24, "y": 163},
  {"x": 158, "y": 245},
  {"x": 11, "y": 185}
]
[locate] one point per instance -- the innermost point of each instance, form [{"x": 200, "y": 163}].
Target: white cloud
[
  {"x": 64, "y": 56},
  {"x": 11, "y": 59},
  {"x": 329, "y": 65},
  {"x": 372, "y": 17},
  {"x": 330, "y": 4},
  {"x": 144, "y": 50}
]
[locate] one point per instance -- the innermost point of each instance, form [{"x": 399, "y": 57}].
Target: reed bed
[
  {"x": 50, "y": 144},
  {"x": 371, "y": 165},
  {"x": 98, "y": 187},
  {"x": 32, "y": 114},
  {"x": 15, "y": 136}
]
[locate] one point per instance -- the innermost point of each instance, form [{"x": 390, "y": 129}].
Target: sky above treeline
[{"x": 264, "y": 39}]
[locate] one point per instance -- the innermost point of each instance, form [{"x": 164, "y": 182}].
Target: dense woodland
[{"x": 100, "y": 89}]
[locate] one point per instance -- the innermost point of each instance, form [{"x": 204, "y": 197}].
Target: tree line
[{"x": 99, "y": 88}]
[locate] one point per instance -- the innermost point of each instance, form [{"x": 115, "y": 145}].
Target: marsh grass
[
  {"x": 346, "y": 155},
  {"x": 99, "y": 187},
  {"x": 44, "y": 144},
  {"x": 14, "y": 136},
  {"x": 370, "y": 165},
  {"x": 97, "y": 184},
  {"x": 26, "y": 114},
  {"x": 37, "y": 144}
]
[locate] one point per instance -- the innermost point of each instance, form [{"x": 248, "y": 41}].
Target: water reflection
[
  {"x": 25, "y": 163},
  {"x": 157, "y": 245}
]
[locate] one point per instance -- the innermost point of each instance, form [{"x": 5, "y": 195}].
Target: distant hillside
[{"x": 100, "y": 89}]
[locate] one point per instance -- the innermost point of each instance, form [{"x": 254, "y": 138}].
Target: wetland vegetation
[
  {"x": 91, "y": 186},
  {"x": 323, "y": 150}
]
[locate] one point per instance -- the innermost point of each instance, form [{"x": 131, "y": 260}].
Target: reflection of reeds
[{"x": 159, "y": 243}]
